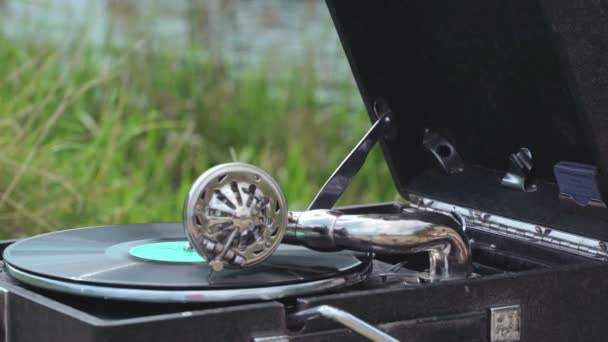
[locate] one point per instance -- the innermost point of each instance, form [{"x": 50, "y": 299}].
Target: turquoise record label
[{"x": 170, "y": 251}]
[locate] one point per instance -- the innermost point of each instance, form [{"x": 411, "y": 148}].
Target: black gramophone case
[
  {"x": 469, "y": 83},
  {"x": 491, "y": 77}
]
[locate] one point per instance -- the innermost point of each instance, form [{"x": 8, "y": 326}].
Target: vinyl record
[{"x": 149, "y": 262}]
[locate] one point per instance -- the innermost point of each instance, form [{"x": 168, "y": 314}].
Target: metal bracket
[
  {"x": 505, "y": 324},
  {"x": 447, "y": 156},
  {"x": 520, "y": 165},
  {"x": 343, "y": 175}
]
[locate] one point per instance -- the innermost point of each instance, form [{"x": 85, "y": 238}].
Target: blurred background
[{"x": 110, "y": 109}]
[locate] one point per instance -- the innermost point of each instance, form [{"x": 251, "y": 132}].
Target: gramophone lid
[{"x": 490, "y": 78}]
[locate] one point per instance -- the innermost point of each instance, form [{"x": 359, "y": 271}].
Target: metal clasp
[{"x": 520, "y": 165}]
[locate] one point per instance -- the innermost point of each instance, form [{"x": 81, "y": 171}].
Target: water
[{"x": 239, "y": 32}]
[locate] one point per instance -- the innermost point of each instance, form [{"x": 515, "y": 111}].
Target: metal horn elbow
[{"x": 415, "y": 231}]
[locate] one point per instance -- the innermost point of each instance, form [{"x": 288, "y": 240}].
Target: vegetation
[{"x": 93, "y": 135}]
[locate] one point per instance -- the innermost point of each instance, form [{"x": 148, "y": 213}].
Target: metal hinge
[{"x": 518, "y": 230}]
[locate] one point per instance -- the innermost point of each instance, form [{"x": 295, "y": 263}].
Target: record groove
[{"x": 102, "y": 260}]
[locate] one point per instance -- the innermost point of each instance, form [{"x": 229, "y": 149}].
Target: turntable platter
[{"x": 149, "y": 262}]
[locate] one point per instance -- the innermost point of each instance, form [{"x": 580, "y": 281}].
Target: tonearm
[{"x": 236, "y": 216}]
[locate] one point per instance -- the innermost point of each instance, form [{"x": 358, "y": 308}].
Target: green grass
[{"x": 99, "y": 135}]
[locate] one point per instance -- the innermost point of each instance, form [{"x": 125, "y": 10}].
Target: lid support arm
[{"x": 343, "y": 175}]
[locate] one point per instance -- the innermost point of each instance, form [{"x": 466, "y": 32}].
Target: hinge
[{"x": 518, "y": 230}]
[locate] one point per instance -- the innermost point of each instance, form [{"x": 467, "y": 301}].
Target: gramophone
[{"x": 491, "y": 117}]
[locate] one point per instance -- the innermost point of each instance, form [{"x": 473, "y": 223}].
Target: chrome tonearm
[{"x": 236, "y": 216}]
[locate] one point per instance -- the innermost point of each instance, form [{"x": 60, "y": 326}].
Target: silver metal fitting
[
  {"x": 520, "y": 166},
  {"x": 235, "y": 216}
]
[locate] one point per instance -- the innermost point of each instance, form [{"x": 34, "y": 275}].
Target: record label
[{"x": 166, "y": 251}]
